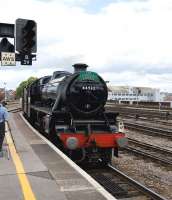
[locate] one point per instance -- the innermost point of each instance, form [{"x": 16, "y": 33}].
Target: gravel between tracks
[
  {"x": 154, "y": 176},
  {"x": 151, "y": 175},
  {"x": 158, "y": 141}
]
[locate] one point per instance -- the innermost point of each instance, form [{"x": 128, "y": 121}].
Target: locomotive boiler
[{"x": 69, "y": 109}]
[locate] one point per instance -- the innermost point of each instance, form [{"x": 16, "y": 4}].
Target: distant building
[
  {"x": 128, "y": 93},
  {"x": 165, "y": 96},
  {"x": 8, "y": 95}
]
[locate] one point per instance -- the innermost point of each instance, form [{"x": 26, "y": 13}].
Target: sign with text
[
  {"x": 8, "y": 59},
  {"x": 26, "y": 59}
]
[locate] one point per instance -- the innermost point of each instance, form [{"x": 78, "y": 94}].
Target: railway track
[
  {"x": 119, "y": 184},
  {"x": 154, "y": 120},
  {"x": 122, "y": 186},
  {"x": 135, "y": 106},
  {"x": 155, "y": 153},
  {"x": 148, "y": 130},
  {"x": 13, "y": 106},
  {"x": 148, "y": 113},
  {"x": 14, "y": 110}
]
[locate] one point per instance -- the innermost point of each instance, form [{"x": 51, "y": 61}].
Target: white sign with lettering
[{"x": 8, "y": 59}]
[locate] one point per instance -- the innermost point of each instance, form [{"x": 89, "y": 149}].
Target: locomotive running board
[{"x": 41, "y": 109}]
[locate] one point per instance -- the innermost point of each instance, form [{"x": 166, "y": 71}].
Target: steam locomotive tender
[{"x": 69, "y": 109}]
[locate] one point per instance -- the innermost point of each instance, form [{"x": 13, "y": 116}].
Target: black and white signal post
[{"x": 24, "y": 49}]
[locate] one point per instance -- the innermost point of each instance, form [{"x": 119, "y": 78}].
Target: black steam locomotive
[{"x": 69, "y": 109}]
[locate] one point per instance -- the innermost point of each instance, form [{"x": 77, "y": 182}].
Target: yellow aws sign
[{"x": 8, "y": 59}]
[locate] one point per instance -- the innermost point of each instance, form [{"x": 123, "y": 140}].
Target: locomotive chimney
[{"x": 80, "y": 67}]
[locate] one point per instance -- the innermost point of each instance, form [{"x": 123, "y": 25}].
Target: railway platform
[{"x": 31, "y": 168}]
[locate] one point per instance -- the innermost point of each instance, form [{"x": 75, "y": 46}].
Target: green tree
[{"x": 24, "y": 84}]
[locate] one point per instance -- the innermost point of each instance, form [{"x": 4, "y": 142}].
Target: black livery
[{"x": 69, "y": 108}]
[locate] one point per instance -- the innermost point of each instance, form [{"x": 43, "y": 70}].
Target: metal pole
[
  {"x": 137, "y": 96},
  {"x": 159, "y": 106},
  {"x": 5, "y": 92}
]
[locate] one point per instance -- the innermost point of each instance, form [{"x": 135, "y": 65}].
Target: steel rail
[
  {"x": 127, "y": 106},
  {"x": 138, "y": 185},
  {"x": 166, "y": 123},
  {"x": 151, "y": 130},
  {"x": 142, "y": 153},
  {"x": 14, "y": 110},
  {"x": 142, "y": 112},
  {"x": 149, "y": 145},
  {"x": 149, "y": 155}
]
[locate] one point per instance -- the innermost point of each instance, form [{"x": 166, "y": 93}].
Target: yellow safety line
[{"x": 24, "y": 182}]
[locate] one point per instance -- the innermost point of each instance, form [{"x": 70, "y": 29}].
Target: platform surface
[{"x": 50, "y": 177}]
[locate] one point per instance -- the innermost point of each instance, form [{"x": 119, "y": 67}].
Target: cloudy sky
[{"x": 129, "y": 42}]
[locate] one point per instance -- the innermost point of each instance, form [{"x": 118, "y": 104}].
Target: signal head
[{"x": 26, "y": 36}]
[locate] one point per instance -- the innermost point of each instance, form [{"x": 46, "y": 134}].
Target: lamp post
[{"x": 138, "y": 92}]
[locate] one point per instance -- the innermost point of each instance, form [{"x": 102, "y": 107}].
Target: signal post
[{"x": 24, "y": 49}]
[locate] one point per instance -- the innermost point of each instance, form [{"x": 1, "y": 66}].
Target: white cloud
[{"x": 127, "y": 41}]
